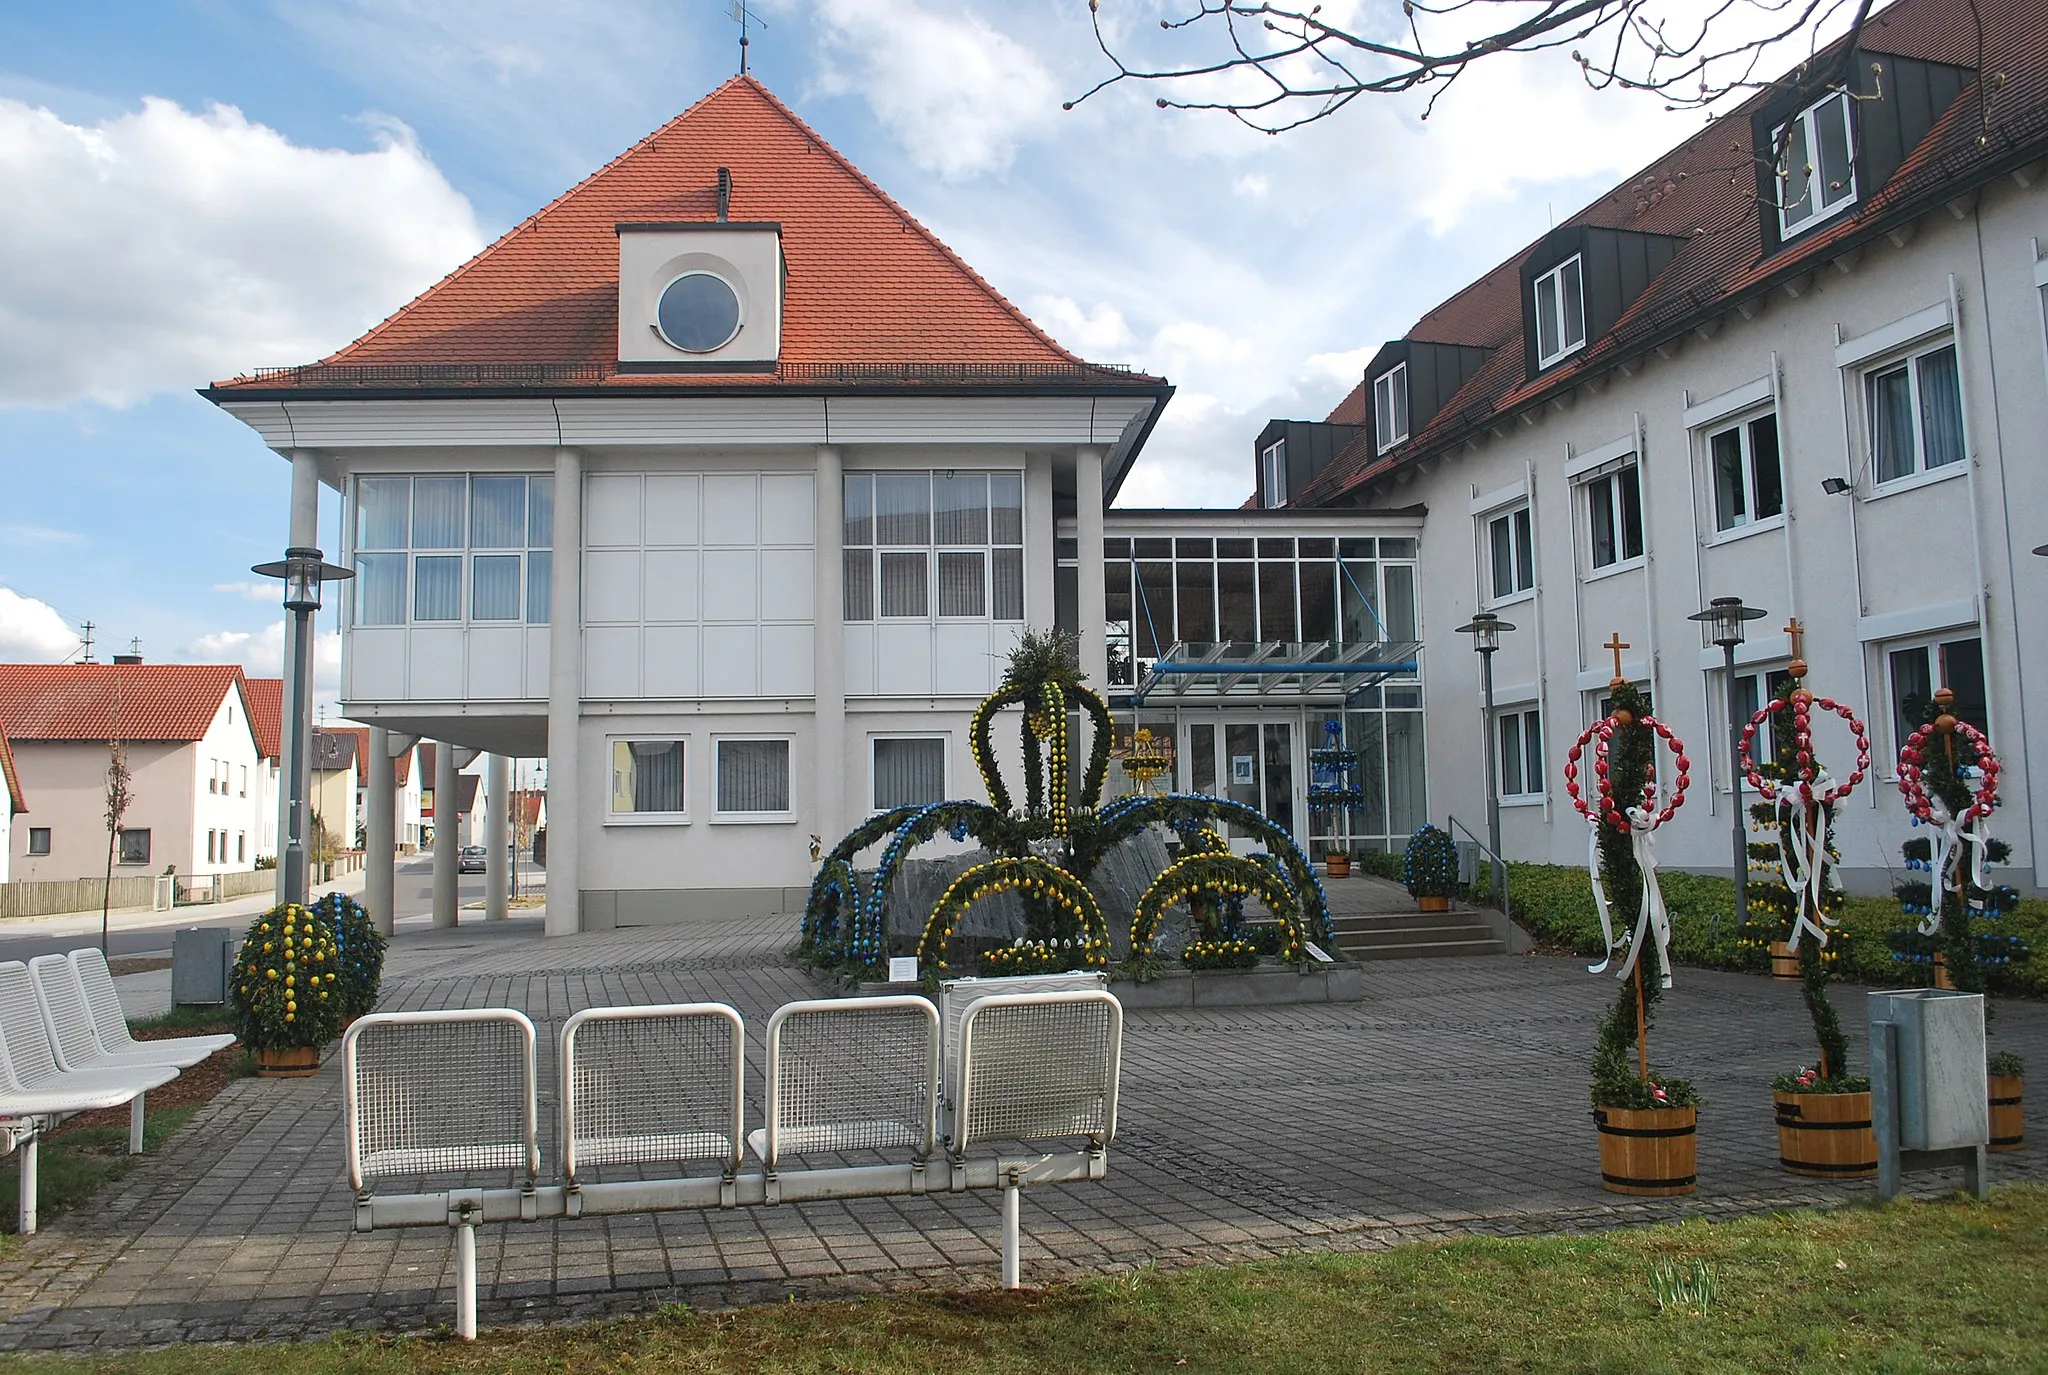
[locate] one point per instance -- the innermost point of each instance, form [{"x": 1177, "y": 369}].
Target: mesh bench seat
[{"x": 110, "y": 1023}]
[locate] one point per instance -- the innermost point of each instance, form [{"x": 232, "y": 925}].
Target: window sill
[
  {"x": 1788, "y": 232},
  {"x": 1527, "y": 594},
  {"x": 1625, "y": 566},
  {"x": 754, "y": 819},
  {"x": 647, "y": 819},
  {"x": 1545, "y": 364},
  {"x": 1926, "y": 477},
  {"x": 1523, "y": 800},
  {"x": 1735, "y": 534}
]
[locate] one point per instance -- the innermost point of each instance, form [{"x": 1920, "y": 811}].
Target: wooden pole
[{"x": 1642, "y": 1024}]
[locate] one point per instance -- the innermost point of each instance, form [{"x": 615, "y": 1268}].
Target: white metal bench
[
  {"x": 110, "y": 1023},
  {"x": 440, "y": 1092}
]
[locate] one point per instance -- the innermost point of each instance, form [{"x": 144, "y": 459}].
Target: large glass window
[
  {"x": 1816, "y": 165},
  {"x": 1752, "y": 691},
  {"x": 412, "y": 541},
  {"x": 1390, "y": 407},
  {"x": 1519, "y": 735},
  {"x": 1510, "y": 542},
  {"x": 1560, "y": 313},
  {"x": 909, "y": 772},
  {"x": 948, "y": 543},
  {"x": 1614, "y": 512},
  {"x": 1916, "y": 413},
  {"x": 1273, "y": 473},
  {"x": 753, "y": 777},
  {"x": 648, "y": 778},
  {"x": 1749, "y": 484},
  {"x": 1914, "y": 671}
]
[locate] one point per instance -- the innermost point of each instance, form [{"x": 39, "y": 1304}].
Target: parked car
[{"x": 470, "y": 860}]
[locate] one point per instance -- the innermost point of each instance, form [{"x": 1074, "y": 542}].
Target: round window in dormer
[{"x": 698, "y": 312}]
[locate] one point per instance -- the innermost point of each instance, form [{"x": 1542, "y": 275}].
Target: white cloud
[
  {"x": 163, "y": 248},
  {"x": 1099, "y": 334},
  {"x": 959, "y": 94},
  {"x": 1253, "y": 185},
  {"x": 253, "y": 591},
  {"x": 41, "y": 536},
  {"x": 33, "y": 630},
  {"x": 261, "y": 654}
]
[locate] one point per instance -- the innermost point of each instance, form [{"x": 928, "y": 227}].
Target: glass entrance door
[{"x": 1248, "y": 760}]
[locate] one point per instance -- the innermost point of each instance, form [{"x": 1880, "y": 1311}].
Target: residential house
[
  {"x": 266, "y": 713},
  {"x": 12, "y": 804},
  {"x": 405, "y": 812},
  {"x": 469, "y": 812},
  {"x": 335, "y": 762},
  {"x": 192, "y": 755}
]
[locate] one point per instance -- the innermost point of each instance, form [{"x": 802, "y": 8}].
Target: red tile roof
[
  {"x": 11, "y": 777},
  {"x": 265, "y": 697},
  {"x": 1703, "y": 191},
  {"x": 114, "y": 701},
  {"x": 868, "y": 285}
]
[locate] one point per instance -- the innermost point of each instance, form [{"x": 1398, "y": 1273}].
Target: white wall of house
[
  {"x": 227, "y": 796},
  {"x": 1936, "y": 557},
  {"x": 6, "y": 835}
]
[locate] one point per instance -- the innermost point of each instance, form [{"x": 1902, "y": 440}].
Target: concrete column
[
  {"x": 497, "y": 836},
  {"x": 828, "y": 652},
  {"x": 1088, "y": 534},
  {"x": 447, "y": 835},
  {"x": 303, "y": 532},
  {"x": 380, "y": 832},
  {"x": 565, "y": 699},
  {"x": 1041, "y": 554}
]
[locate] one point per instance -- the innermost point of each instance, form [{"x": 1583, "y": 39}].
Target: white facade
[{"x": 1903, "y": 570}]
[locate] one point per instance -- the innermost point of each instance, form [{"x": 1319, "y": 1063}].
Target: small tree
[{"x": 118, "y": 796}]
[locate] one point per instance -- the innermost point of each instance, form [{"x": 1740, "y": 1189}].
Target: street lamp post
[
  {"x": 303, "y": 570},
  {"x": 1485, "y": 629},
  {"x": 1722, "y": 622}
]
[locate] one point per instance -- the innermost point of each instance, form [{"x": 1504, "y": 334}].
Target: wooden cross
[
  {"x": 1615, "y": 646},
  {"x": 1798, "y": 634}
]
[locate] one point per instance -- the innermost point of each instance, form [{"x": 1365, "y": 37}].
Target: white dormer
[{"x": 700, "y": 296}]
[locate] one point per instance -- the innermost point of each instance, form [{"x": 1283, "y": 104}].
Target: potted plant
[
  {"x": 287, "y": 991},
  {"x": 1648, "y": 1121},
  {"x": 2008, "y": 1119},
  {"x": 359, "y": 947},
  {"x": 1822, "y": 1111},
  {"x": 1337, "y": 863},
  {"x": 1429, "y": 868}
]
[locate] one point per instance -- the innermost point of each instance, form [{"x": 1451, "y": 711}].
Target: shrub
[
  {"x": 359, "y": 946},
  {"x": 1429, "y": 866},
  {"x": 287, "y": 980}
]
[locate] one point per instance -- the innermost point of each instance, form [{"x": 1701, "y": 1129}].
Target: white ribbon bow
[
  {"x": 1950, "y": 836},
  {"x": 1802, "y": 856},
  {"x": 1653, "y": 920}
]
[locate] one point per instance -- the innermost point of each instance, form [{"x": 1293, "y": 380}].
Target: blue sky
[{"x": 199, "y": 187}]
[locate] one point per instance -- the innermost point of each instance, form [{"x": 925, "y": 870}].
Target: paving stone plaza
[{"x": 1451, "y": 1099}]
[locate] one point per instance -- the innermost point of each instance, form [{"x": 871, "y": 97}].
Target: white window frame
[
  {"x": 1390, "y": 407},
  {"x": 1528, "y": 724},
  {"x": 681, "y": 818},
  {"x": 1909, "y": 359},
  {"x": 1565, "y": 347},
  {"x": 1273, "y": 473},
  {"x": 1888, "y": 763},
  {"x": 1521, "y": 540},
  {"x": 1584, "y": 499},
  {"x": 931, "y": 550},
  {"x": 1739, "y": 425},
  {"x": 48, "y": 835},
  {"x": 1761, "y": 748},
  {"x": 1808, "y": 122},
  {"x": 465, "y": 553},
  {"x": 945, "y": 763},
  {"x": 724, "y": 818}
]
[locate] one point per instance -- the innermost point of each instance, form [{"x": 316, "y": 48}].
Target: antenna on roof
[
  {"x": 746, "y": 19},
  {"x": 85, "y": 643}
]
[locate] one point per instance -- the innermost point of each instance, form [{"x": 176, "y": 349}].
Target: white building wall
[{"x": 1860, "y": 571}]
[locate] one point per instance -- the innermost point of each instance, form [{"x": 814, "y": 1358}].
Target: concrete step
[
  {"x": 1412, "y": 935},
  {"x": 1425, "y": 950},
  {"x": 1409, "y": 921}
]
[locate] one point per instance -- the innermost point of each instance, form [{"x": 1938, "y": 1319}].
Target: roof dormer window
[
  {"x": 1816, "y": 170},
  {"x": 698, "y": 312},
  {"x": 1560, "y": 312},
  {"x": 1273, "y": 473},
  {"x": 1390, "y": 407}
]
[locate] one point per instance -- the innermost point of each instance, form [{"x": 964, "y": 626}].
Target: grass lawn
[{"x": 1944, "y": 1286}]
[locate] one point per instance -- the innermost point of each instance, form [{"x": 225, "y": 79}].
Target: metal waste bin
[
  {"x": 201, "y": 961},
  {"x": 1930, "y": 1098}
]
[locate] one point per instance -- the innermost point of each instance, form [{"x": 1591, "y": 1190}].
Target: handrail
[{"x": 1500, "y": 865}]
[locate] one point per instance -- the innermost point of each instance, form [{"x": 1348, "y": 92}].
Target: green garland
[
  {"x": 1220, "y": 877},
  {"x": 1083, "y": 939}
]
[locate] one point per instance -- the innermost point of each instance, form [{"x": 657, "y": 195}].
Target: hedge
[{"x": 1554, "y": 902}]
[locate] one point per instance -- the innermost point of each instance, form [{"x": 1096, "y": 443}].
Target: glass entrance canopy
[{"x": 1272, "y": 672}]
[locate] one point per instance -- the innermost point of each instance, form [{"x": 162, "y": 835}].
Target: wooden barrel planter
[
  {"x": 1941, "y": 978},
  {"x": 1433, "y": 904},
  {"x": 2008, "y": 1120},
  {"x": 1784, "y": 961},
  {"x": 1826, "y": 1135},
  {"x": 288, "y": 1062},
  {"x": 1651, "y": 1152},
  {"x": 1337, "y": 866}
]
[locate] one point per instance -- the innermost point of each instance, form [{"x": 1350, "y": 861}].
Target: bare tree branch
[{"x": 1295, "y": 68}]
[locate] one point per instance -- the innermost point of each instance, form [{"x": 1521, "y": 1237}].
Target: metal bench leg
[
  {"x": 27, "y": 1166},
  {"x": 135, "y": 1115},
  {"x": 1012, "y": 1246},
  {"x": 465, "y": 1281}
]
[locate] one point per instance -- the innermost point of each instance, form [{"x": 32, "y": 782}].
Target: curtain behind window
[
  {"x": 909, "y": 773},
  {"x": 437, "y": 512},
  {"x": 381, "y": 512},
  {"x": 658, "y": 776},
  {"x": 380, "y": 589},
  {"x": 1941, "y": 408},
  {"x": 753, "y": 775},
  {"x": 497, "y": 513}
]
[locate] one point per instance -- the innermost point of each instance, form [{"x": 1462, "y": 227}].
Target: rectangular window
[
  {"x": 540, "y": 572},
  {"x": 1916, "y": 414},
  {"x": 1614, "y": 510},
  {"x": 381, "y": 506},
  {"x": 209, "y": 846},
  {"x": 1752, "y": 691},
  {"x": 1512, "y": 542},
  {"x": 244, "y": 780},
  {"x": 920, "y": 544},
  {"x": 400, "y": 519},
  {"x": 437, "y": 587},
  {"x": 1915, "y": 671},
  {"x": 1749, "y": 485},
  {"x": 494, "y": 587},
  {"x": 135, "y": 846},
  {"x": 1273, "y": 473},
  {"x": 241, "y": 847},
  {"x": 1560, "y": 313},
  {"x": 39, "y": 840},
  {"x": 1817, "y": 165},
  {"x": 909, "y": 772},
  {"x": 1390, "y": 406},
  {"x": 437, "y": 504},
  {"x": 648, "y": 778},
  {"x": 1520, "y": 734},
  {"x": 753, "y": 777}
]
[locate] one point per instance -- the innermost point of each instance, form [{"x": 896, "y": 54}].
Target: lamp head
[
  {"x": 1485, "y": 629},
  {"x": 1723, "y": 618}
]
